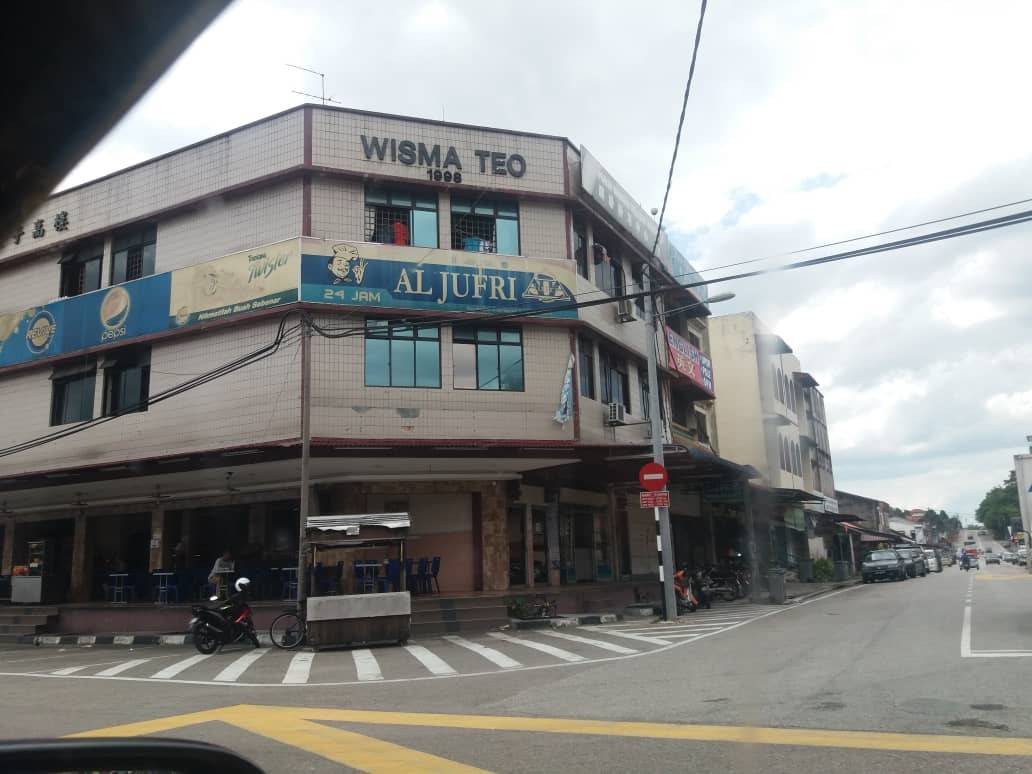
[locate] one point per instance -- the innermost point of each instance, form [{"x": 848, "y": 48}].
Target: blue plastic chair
[
  {"x": 423, "y": 574},
  {"x": 391, "y": 581},
  {"x": 411, "y": 579},
  {"x": 431, "y": 578},
  {"x": 365, "y": 576}
]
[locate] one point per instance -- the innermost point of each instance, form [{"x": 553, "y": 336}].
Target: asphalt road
[{"x": 873, "y": 676}]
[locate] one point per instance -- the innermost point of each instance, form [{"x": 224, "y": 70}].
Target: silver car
[{"x": 932, "y": 560}]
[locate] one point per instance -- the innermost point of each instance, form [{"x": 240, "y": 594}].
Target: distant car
[
  {"x": 932, "y": 560},
  {"x": 914, "y": 559},
  {"x": 1009, "y": 556},
  {"x": 948, "y": 559},
  {"x": 972, "y": 561},
  {"x": 884, "y": 564},
  {"x": 991, "y": 558},
  {"x": 982, "y": 532}
]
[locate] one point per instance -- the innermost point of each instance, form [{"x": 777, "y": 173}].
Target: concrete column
[
  {"x": 8, "y": 559},
  {"x": 552, "y": 539},
  {"x": 494, "y": 537},
  {"x": 528, "y": 545},
  {"x": 79, "y": 589},
  {"x": 711, "y": 524},
  {"x": 256, "y": 523},
  {"x": 159, "y": 548},
  {"x": 185, "y": 524}
]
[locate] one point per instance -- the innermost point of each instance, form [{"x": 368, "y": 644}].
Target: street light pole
[
  {"x": 663, "y": 532},
  {"x": 306, "y": 446}
]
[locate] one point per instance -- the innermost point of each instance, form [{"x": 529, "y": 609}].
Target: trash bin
[
  {"x": 806, "y": 570},
  {"x": 776, "y": 585},
  {"x": 842, "y": 571}
]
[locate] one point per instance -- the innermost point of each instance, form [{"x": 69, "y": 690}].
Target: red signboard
[
  {"x": 653, "y": 476},
  {"x": 654, "y": 499},
  {"x": 689, "y": 361}
]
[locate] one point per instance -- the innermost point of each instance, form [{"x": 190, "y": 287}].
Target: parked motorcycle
[
  {"x": 687, "y": 602},
  {"x": 721, "y": 584},
  {"x": 229, "y": 621}
]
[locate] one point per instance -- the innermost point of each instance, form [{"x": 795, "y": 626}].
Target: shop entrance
[
  {"x": 577, "y": 545},
  {"x": 523, "y": 551}
]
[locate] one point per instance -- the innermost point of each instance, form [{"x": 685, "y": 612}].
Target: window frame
[
  {"x": 60, "y": 383},
  {"x": 609, "y": 364},
  {"x": 126, "y": 240},
  {"x": 80, "y": 259},
  {"x": 580, "y": 251},
  {"x": 134, "y": 358},
  {"x": 372, "y": 332},
  {"x": 413, "y": 205},
  {"x": 586, "y": 367},
  {"x": 468, "y": 207},
  {"x": 470, "y": 336}
]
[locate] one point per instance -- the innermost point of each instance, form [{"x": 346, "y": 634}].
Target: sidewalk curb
[
  {"x": 89, "y": 640},
  {"x": 815, "y": 594},
  {"x": 564, "y": 621}
]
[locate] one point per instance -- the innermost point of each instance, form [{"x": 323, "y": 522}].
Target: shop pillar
[
  {"x": 8, "y": 559},
  {"x": 494, "y": 538},
  {"x": 159, "y": 549},
  {"x": 256, "y": 522},
  {"x": 552, "y": 530},
  {"x": 528, "y": 545},
  {"x": 79, "y": 589},
  {"x": 712, "y": 526}
]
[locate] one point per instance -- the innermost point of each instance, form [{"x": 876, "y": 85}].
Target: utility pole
[
  {"x": 663, "y": 532},
  {"x": 306, "y": 447}
]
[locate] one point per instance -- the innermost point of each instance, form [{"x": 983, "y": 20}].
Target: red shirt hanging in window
[{"x": 401, "y": 233}]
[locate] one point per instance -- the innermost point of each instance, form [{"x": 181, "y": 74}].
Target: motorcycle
[
  {"x": 720, "y": 584},
  {"x": 688, "y": 592},
  {"x": 230, "y": 621}
]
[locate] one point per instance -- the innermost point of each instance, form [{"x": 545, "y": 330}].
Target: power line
[
  {"x": 680, "y": 125},
  {"x": 306, "y": 319}
]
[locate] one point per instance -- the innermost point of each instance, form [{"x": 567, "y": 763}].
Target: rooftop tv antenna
[{"x": 322, "y": 83}]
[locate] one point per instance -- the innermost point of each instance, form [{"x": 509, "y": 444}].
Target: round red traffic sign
[{"x": 653, "y": 476}]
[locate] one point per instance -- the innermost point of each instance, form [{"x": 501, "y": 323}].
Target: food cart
[
  {"x": 346, "y": 620},
  {"x": 39, "y": 581}
]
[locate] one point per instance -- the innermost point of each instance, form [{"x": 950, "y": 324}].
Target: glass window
[
  {"x": 127, "y": 382},
  {"x": 638, "y": 279},
  {"x": 487, "y": 358},
  {"x": 401, "y": 218},
  {"x": 485, "y": 226},
  {"x": 644, "y": 399},
  {"x": 580, "y": 249},
  {"x": 616, "y": 384},
  {"x": 72, "y": 398},
  {"x": 609, "y": 275},
  {"x": 132, "y": 254},
  {"x": 586, "y": 368},
  {"x": 399, "y": 354},
  {"x": 80, "y": 270},
  {"x": 702, "y": 426}
]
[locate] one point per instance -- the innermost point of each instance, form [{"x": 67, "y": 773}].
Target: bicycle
[{"x": 289, "y": 630}]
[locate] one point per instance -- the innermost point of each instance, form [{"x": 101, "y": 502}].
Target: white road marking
[
  {"x": 610, "y": 646},
  {"x": 677, "y": 628},
  {"x": 492, "y": 655},
  {"x": 125, "y": 666},
  {"x": 686, "y": 636},
  {"x": 232, "y": 672},
  {"x": 366, "y": 665},
  {"x": 171, "y": 671},
  {"x": 542, "y": 647},
  {"x": 434, "y": 663},
  {"x": 69, "y": 670},
  {"x": 299, "y": 669},
  {"x": 637, "y": 637}
]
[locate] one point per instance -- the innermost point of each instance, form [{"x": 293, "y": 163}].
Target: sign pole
[{"x": 664, "y": 543}]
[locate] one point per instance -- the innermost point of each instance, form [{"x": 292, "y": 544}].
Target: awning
[
  {"x": 873, "y": 536},
  {"x": 785, "y": 496},
  {"x": 352, "y": 523},
  {"x": 804, "y": 379}
]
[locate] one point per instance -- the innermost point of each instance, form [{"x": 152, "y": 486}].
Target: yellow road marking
[
  {"x": 347, "y": 748},
  {"x": 1022, "y": 577},
  {"x": 292, "y": 725}
]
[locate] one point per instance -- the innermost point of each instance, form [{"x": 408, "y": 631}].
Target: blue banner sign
[{"x": 401, "y": 277}]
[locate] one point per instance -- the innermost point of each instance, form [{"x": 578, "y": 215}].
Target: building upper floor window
[
  {"x": 586, "y": 367},
  {"x": 132, "y": 254},
  {"x": 609, "y": 275},
  {"x": 80, "y": 269},
  {"x": 126, "y": 380},
  {"x": 399, "y": 354},
  {"x": 776, "y": 377},
  {"x": 693, "y": 339},
  {"x": 616, "y": 384},
  {"x": 638, "y": 279},
  {"x": 485, "y": 225},
  {"x": 401, "y": 217},
  {"x": 71, "y": 398},
  {"x": 487, "y": 358},
  {"x": 580, "y": 249},
  {"x": 702, "y": 426}
]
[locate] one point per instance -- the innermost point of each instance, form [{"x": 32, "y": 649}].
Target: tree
[{"x": 999, "y": 506}]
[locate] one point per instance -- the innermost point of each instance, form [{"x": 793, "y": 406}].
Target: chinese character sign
[{"x": 688, "y": 361}]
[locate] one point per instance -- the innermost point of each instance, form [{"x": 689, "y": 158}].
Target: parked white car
[{"x": 932, "y": 560}]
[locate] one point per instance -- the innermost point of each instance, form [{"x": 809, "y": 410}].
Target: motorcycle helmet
[{"x": 241, "y": 584}]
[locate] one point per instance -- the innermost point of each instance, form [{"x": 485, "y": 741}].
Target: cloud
[
  {"x": 1013, "y": 405},
  {"x": 823, "y": 180}
]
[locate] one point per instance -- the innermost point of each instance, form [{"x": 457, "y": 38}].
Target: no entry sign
[{"x": 653, "y": 476}]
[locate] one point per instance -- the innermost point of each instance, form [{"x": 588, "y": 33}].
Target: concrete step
[
  {"x": 447, "y": 603},
  {"x": 28, "y": 610},
  {"x": 14, "y": 618},
  {"x": 430, "y": 629},
  {"x": 459, "y": 614},
  {"x": 17, "y": 628}
]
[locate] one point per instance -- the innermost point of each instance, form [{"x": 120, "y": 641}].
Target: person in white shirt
[{"x": 223, "y": 564}]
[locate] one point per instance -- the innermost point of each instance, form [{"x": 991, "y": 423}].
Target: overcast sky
[{"x": 809, "y": 122}]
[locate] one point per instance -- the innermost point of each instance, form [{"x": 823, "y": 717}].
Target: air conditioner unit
[
  {"x": 625, "y": 311},
  {"x": 615, "y": 415},
  {"x": 648, "y": 432}
]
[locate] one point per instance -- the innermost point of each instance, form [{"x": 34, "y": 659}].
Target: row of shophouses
[{"x": 454, "y": 374}]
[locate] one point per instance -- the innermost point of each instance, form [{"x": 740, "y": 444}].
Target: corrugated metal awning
[{"x": 353, "y": 522}]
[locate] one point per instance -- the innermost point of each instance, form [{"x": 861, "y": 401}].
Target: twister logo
[{"x": 41, "y": 331}]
